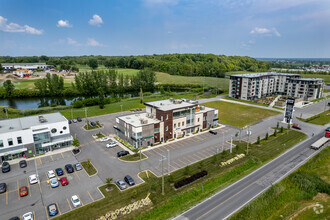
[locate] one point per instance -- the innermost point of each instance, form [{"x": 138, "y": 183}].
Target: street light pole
[
  {"x": 247, "y": 143},
  {"x": 162, "y": 174},
  {"x": 168, "y": 162}
]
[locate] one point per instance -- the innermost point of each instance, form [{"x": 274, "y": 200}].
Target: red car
[
  {"x": 296, "y": 127},
  {"x": 64, "y": 181},
  {"x": 23, "y": 191}
]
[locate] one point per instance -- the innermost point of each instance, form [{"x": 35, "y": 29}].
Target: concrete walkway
[
  {"x": 273, "y": 102},
  {"x": 248, "y": 104}
]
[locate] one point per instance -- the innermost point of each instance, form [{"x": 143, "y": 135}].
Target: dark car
[
  {"x": 296, "y": 127},
  {"x": 328, "y": 129},
  {"x": 122, "y": 153},
  {"x": 52, "y": 209},
  {"x": 5, "y": 167},
  {"x": 59, "y": 171},
  {"x": 93, "y": 123},
  {"x": 213, "y": 132},
  {"x": 69, "y": 121},
  {"x": 14, "y": 218},
  {"x": 129, "y": 180},
  {"x": 79, "y": 119},
  {"x": 69, "y": 168},
  {"x": 3, "y": 187},
  {"x": 22, "y": 164}
]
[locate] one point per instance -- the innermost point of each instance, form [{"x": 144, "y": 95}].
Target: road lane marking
[
  {"x": 157, "y": 149},
  {"x": 28, "y": 186},
  {"x": 90, "y": 196},
  {"x": 58, "y": 208},
  {"x": 176, "y": 164},
  {"x": 69, "y": 203},
  {"x": 40, "y": 187},
  {"x": 51, "y": 157},
  {"x": 46, "y": 212},
  {"x": 158, "y": 169},
  {"x": 194, "y": 156},
  {"x": 77, "y": 175},
  {"x": 18, "y": 191},
  {"x": 199, "y": 157},
  {"x": 209, "y": 150},
  {"x": 40, "y": 160},
  {"x": 80, "y": 200},
  {"x": 7, "y": 198},
  {"x": 62, "y": 155},
  {"x": 34, "y": 215},
  {"x": 200, "y": 154},
  {"x": 173, "y": 166},
  {"x": 182, "y": 162},
  {"x": 189, "y": 158},
  {"x": 170, "y": 147}
]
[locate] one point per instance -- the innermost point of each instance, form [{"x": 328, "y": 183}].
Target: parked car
[
  {"x": 69, "y": 121},
  {"x": 28, "y": 216},
  {"x": 23, "y": 191},
  {"x": 122, "y": 153},
  {"x": 92, "y": 123},
  {"x": 75, "y": 201},
  {"x": 79, "y": 119},
  {"x": 328, "y": 129},
  {"x": 121, "y": 184},
  {"x": 296, "y": 127},
  {"x": 59, "y": 171},
  {"x": 33, "y": 179},
  {"x": 22, "y": 164},
  {"x": 112, "y": 144},
  {"x": 52, "y": 209},
  {"x": 69, "y": 168},
  {"x": 78, "y": 166},
  {"x": 129, "y": 180},
  {"x": 74, "y": 120},
  {"x": 53, "y": 182},
  {"x": 64, "y": 181},
  {"x": 15, "y": 218},
  {"x": 213, "y": 132},
  {"x": 51, "y": 174},
  {"x": 5, "y": 167},
  {"x": 104, "y": 139},
  {"x": 3, "y": 187}
]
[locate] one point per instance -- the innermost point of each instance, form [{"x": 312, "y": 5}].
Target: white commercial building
[
  {"x": 29, "y": 66},
  {"x": 26, "y": 136}
]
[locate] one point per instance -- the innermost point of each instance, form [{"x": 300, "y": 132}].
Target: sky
[{"x": 256, "y": 28}]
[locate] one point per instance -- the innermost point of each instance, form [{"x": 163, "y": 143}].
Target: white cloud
[
  {"x": 72, "y": 42},
  {"x": 63, "y": 23},
  {"x": 94, "y": 43},
  {"x": 265, "y": 31},
  {"x": 96, "y": 20},
  {"x": 12, "y": 27}
]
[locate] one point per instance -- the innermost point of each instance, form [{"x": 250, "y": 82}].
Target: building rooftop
[
  {"x": 21, "y": 64},
  {"x": 17, "y": 124},
  {"x": 171, "y": 104},
  {"x": 309, "y": 79},
  {"x": 138, "y": 120},
  {"x": 253, "y": 75}
]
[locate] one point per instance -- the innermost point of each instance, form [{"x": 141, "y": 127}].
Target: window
[
  {"x": 204, "y": 118},
  {"x": 183, "y": 123},
  {"x": 156, "y": 130},
  {"x": 174, "y": 125},
  {"x": 1, "y": 143},
  {"x": 179, "y": 124},
  {"x": 166, "y": 117},
  {"x": 10, "y": 141},
  {"x": 161, "y": 118},
  {"x": 166, "y": 128},
  {"x": 64, "y": 128},
  {"x": 19, "y": 140},
  {"x": 197, "y": 119},
  {"x": 53, "y": 130}
]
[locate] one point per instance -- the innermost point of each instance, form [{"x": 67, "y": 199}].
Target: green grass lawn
[
  {"x": 320, "y": 119},
  {"x": 133, "y": 157},
  {"x": 296, "y": 195},
  {"x": 245, "y": 101},
  {"x": 89, "y": 169},
  {"x": 29, "y": 84},
  {"x": 176, "y": 201},
  {"x": 239, "y": 115}
]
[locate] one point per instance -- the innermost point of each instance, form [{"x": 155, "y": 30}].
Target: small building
[
  {"x": 26, "y": 136},
  {"x": 23, "y": 73},
  {"x": 164, "y": 120}
]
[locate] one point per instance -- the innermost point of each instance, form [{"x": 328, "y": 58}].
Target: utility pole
[
  {"x": 231, "y": 143},
  {"x": 223, "y": 141},
  {"x": 247, "y": 143},
  {"x": 162, "y": 158},
  {"x": 325, "y": 104},
  {"x": 168, "y": 162}
]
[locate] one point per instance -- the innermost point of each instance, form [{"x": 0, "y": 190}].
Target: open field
[
  {"x": 176, "y": 201},
  {"x": 296, "y": 196},
  {"x": 320, "y": 119},
  {"x": 239, "y": 115}
]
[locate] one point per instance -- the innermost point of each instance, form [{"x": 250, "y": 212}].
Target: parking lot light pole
[
  {"x": 162, "y": 159},
  {"x": 168, "y": 162}
]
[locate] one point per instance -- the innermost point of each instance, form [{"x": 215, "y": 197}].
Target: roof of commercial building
[
  {"x": 253, "y": 75},
  {"x": 171, "y": 104},
  {"x": 21, "y": 64},
  {"x": 138, "y": 120},
  {"x": 17, "y": 124}
]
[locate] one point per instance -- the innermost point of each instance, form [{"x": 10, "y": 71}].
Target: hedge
[{"x": 190, "y": 179}]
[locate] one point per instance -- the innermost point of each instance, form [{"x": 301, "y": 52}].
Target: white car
[
  {"x": 112, "y": 144},
  {"x": 28, "y": 216},
  {"x": 53, "y": 182},
  {"x": 104, "y": 139},
  {"x": 51, "y": 174},
  {"x": 75, "y": 201},
  {"x": 33, "y": 179}
]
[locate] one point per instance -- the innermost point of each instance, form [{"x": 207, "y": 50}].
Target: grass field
[
  {"x": 320, "y": 119},
  {"x": 239, "y": 115},
  {"x": 176, "y": 201},
  {"x": 245, "y": 101},
  {"x": 29, "y": 84},
  {"x": 296, "y": 196}
]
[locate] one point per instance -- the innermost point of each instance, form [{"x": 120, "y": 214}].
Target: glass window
[
  {"x": 64, "y": 128},
  {"x": 41, "y": 137},
  {"x": 183, "y": 123},
  {"x": 197, "y": 119},
  {"x": 10, "y": 141},
  {"x": 204, "y": 118},
  {"x": 166, "y": 128},
  {"x": 1, "y": 143},
  {"x": 53, "y": 130},
  {"x": 19, "y": 140},
  {"x": 156, "y": 130},
  {"x": 174, "y": 125},
  {"x": 161, "y": 118},
  {"x": 179, "y": 124},
  {"x": 166, "y": 117}
]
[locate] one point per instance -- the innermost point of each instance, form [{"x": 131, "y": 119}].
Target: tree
[
  {"x": 75, "y": 142},
  {"x": 41, "y": 85},
  {"x": 1, "y": 69},
  {"x": 281, "y": 129},
  {"x": 277, "y": 125},
  {"x": 92, "y": 63},
  {"x": 108, "y": 181},
  {"x": 101, "y": 98},
  {"x": 266, "y": 137},
  {"x": 9, "y": 87},
  {"x": 162, "y": 91},
  {"x": 89, "y": 163},
  {"x": 275, "y": 133},
  {"x": 258, "y": 140}
]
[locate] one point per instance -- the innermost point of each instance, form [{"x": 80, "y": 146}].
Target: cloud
[
  {"x": 92, "y": 42},
  {"x": 265, "y": 31},
  {"x": 12, "y": 27},
  {"x": 96, "y": 20},
  {"x": 63, "y": 23},
  {"x": 72, "y": 42}
]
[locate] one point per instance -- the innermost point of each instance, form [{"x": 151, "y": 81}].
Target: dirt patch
[{"x": 321, "y": 197}]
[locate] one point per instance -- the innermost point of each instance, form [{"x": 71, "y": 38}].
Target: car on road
[
  {"x": 3, "y": 187},
  {"x": 59, "y": 171},
  {"x": 122, "y": 153},
  {"x": 112, "y": 144},
  {"x": 69, "y": 168},
  {"x": 79, "y": 119},
  {"x": 51, "y": 174},
  {"x": 5, "y": 167},
  {"x": 75, "y": 201},
  {"x": 104, "y": 139},
  {"x": 15, "y": 218},
  {"x": 23, "y": 191},
  {"x": 213, "y": 132},
  {"x": 33, "y": 178},
  {"x": 22, "y": 164},
  {"x": 121, "y": 184},
  {"x": 52, "y": 209},
  {"x": 129, "y": 180},
  {"x": 74, "y": 120},
  {"x": 28, "y": 216},
  {"x": 53, "y": 182},
  {"x": 64, "y": 181},
  {"x": 296, "y": 126},
  {"x": 78, "y": 166}
]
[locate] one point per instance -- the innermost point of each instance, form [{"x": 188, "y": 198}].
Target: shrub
[
  {"x": 186, "y": 170},
  {"x": 170, "y": 179},
  {"x": 266, "y": 137},
  {"x": 275, "y": 133},
  {"x": 190, "y": 179},
  {"x": 281, "y": 129},
  {"x": 258, "y": 140}
]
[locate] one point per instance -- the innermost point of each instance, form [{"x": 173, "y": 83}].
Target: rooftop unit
[{"x": 42, "y": 119}]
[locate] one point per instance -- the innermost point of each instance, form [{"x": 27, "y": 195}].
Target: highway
[{"x": 229, "y": 200}]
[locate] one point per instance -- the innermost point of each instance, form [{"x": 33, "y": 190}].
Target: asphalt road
[
  {"x": 226, "y": 202},
  {"x": 312, "y": 110}
]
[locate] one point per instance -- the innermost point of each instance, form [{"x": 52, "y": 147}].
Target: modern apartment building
[
  {"x": 26, "y": 136},
  {"x": 163, "y": 120},
  {"x": 257, "y": 85}
]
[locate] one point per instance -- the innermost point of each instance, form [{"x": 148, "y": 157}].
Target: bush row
[{"x": 190, "y": 179}]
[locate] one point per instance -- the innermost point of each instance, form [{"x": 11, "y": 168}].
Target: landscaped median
[
  {"x": 320, "y": 119},
  {"x": 89, "y": 168},
  {"x": 133, "y": 157},
  {"x": 175, "y": 201}
]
